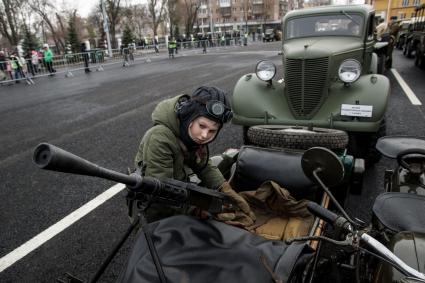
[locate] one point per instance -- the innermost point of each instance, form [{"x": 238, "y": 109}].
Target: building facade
[
  {"x": 243, "y": 15},
  {"x": 396, "y": 9}
]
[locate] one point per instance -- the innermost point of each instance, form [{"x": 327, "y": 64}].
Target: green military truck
[
  {"x": 418, "y": 37},
  {"x": 415, "y": 36},
  {"x": 330, "y": 63}
]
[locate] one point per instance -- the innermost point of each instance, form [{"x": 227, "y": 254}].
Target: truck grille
[{"x": 306, "y": 80}]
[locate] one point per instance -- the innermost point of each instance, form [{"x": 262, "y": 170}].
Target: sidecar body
[
  {"x": 193, "y": 250},
  {"x": 401, "y": 218},
  {"x": 409, "y": 174}
]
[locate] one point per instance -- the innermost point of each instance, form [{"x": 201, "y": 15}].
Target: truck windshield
[{"x": 345, "y": 24}]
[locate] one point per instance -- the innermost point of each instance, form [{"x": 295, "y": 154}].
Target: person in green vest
[
  {"x": 48, "y": 58},
  {"x": 16, "y": 66},
  {"x": 172, "y": 45}
]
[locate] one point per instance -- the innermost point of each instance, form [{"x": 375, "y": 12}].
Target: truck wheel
[
  {"x": 362, "y": 145},
  {"x": 296, "y": 137}
]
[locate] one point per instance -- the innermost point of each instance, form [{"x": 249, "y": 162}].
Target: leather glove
[{"x": 239, "y": 201}]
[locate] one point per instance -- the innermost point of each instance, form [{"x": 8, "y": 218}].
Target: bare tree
[
  {"x": 41, "y": 7},
  {"x": 140, "y": 19},
  {"x": 95, "y": 20},
  {"x": 157, "y": 11},
  {"x": 60, "y": 22},
  {"x": 173, "y": 15},
  {"x": 113, "y": 11},
  {"x": 10, "y": 20},
  {"x": 191, "y": 14}
]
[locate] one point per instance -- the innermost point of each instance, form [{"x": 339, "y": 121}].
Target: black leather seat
[
  {"x": 256, "y": 165},
  {"x": 401, "y": 211}
]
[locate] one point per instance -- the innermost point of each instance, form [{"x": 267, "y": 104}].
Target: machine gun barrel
[
  {"x": 50, "y": 157},
  {"x": 169, "y": 191}
]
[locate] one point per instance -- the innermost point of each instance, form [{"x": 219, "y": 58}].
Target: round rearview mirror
[{"x": 325, "y": 163}]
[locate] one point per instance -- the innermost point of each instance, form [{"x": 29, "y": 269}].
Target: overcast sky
[{"x": 85, "y": 6}]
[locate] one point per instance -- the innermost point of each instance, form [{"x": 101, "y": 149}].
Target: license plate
[{"x": 355, "y": 110}]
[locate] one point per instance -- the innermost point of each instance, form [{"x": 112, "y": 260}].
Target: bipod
[{"x": 149, "y": 241}]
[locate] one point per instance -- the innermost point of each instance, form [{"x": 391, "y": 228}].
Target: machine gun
[
  {"x": 168, "y": 192},
  {"x": 142, "y": 189}
]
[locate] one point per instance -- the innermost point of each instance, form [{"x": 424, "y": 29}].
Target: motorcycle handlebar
[
  {"x": 322, "y": 212},
  {"x": 172, "y": 192},
  {"x": 330, "y": 217},
  {"x": 341, "y": 222}
]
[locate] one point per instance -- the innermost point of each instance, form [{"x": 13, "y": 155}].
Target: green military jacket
[{"x": 164, "y": 155}]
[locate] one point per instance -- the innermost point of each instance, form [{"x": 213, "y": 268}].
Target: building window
[
  {"x": 405, "y": 3},
  {"x": 402, "y": 16},
  {"x": 416, "y": 2},
  {"x": 224, "y": 3}
]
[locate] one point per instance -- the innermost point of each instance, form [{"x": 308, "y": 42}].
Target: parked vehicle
[
  {"x": 272, "y": 35},
  {"x": 409, "y": 174},
  {"x": 186, "y": 248},
  {"x": 404, "y": 27},
  {"x": 415, "y": 37},
  {"x": 418, "y": 38},
  {"x": 390, "y": 249},
  {"x": 332, "y": 67}
]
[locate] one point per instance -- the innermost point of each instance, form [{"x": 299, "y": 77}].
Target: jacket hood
[{"x": 165, "y": 114}]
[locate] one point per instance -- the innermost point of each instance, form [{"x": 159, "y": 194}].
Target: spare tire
[{"x": 296, "y": 137}]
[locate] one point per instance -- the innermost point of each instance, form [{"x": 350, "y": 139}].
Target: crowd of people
[{"x": 16, "y": 67}]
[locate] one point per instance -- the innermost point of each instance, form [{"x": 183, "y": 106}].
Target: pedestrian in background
[
  {"x": 35, "y": 59},
  {"x": 2, "y": 61},
  {"x": 3, "y": 66},
  {"x": 204, "y": 44},
  {"x": 48, "y": 59},
  {"x": 30, "y": 66},
  {"x": 16, "y": 66},
  {"x": 381, "y": 29},
  {"x": 9, "y": 69},
  {"x": 85, "y": 54},
  {"x": 171, "y": 47}
]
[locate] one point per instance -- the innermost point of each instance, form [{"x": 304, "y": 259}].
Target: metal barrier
[{"x": 32, "y": 68}]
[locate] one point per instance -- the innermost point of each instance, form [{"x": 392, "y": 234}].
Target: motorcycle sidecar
[{"x": 193, "y": 250}]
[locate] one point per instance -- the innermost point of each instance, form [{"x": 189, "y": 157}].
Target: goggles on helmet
[{"x": 218, "y": 110}]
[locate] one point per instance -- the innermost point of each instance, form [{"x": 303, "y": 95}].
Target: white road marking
[
  {"x": 55, "y": 229},
  {"x": 407, "y": 90}
]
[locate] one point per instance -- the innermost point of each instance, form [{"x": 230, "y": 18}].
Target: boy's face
[{"x": 203, "y": 130}]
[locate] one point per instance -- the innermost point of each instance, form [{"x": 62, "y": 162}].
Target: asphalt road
[{"x": 102, "y": 116}]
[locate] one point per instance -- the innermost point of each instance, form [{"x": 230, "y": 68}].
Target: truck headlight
[
  {"x": 265, "y": 70},
  {"x": 349, "y": 71}
]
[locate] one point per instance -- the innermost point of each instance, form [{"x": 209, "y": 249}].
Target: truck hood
[{"x": 316, "y": 47}]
